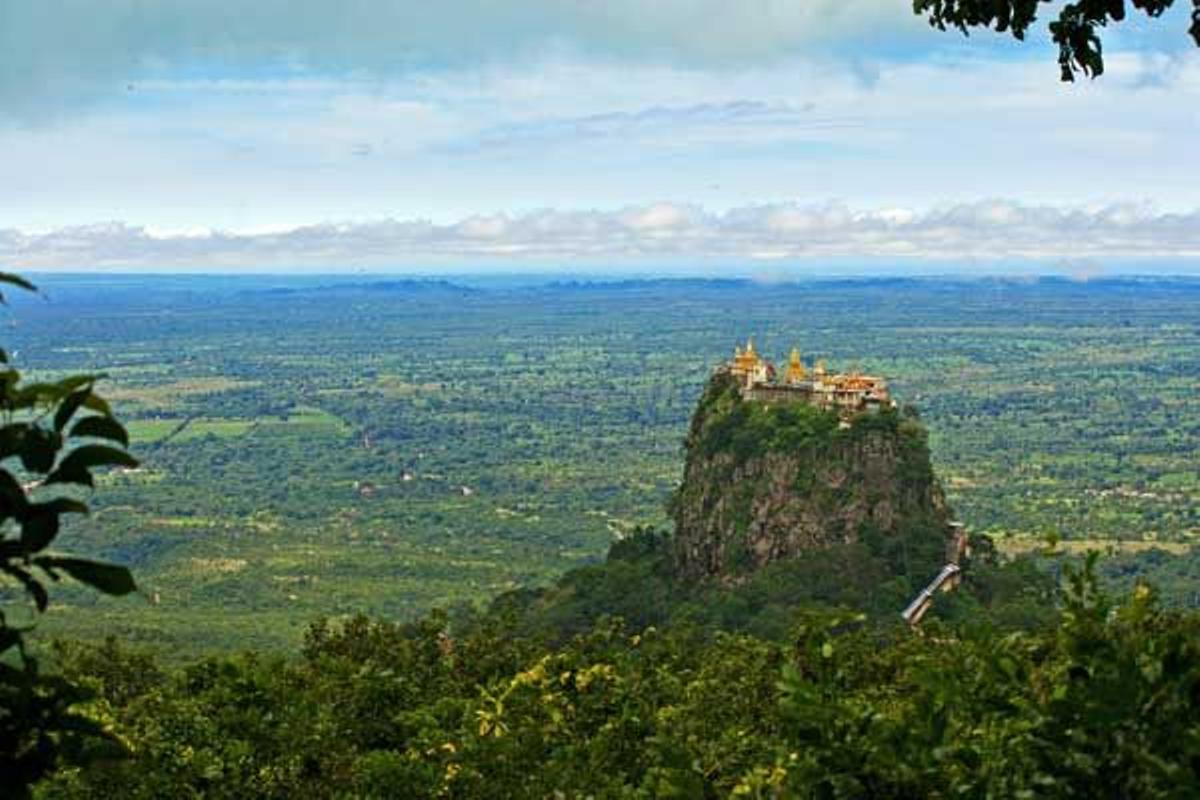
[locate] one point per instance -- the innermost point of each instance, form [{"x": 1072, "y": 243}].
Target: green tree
[
  {"x": 52, "y": 436},
  {"x": 1076, "y": 31}
]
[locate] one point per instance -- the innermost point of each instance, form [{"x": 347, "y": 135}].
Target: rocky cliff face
[{"x": 765, "y": 483}]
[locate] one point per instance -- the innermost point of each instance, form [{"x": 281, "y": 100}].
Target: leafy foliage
[
  {"x": 1076, "y": 31},
  {"x": 1101, "y": 702},
  {"x": 723, "y": 422},
  {"x": 765, "y": 481},
  {"x": 49, "y": 446}
]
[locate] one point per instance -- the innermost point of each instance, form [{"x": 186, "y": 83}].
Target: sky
[{"x": 756, "y": 137}]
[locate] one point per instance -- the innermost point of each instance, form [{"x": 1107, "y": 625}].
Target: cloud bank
[{"x": 655, "y": 234}]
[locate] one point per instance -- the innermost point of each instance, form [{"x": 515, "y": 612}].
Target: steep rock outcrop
[{"x": 763, "y": 483}]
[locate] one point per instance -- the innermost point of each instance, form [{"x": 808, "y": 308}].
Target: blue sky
[{"x": 685, "y": 135}]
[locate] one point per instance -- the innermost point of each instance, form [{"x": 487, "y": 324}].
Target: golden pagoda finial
[
  {"x": 795, "y": 370},
  {"x": 819, "y": 367},
  {"x": 745, "y": 360}
]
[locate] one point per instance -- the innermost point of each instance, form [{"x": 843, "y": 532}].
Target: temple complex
[{"x": 847, "y": 393}]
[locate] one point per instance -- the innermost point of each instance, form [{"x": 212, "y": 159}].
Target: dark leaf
[
  {"x": 74, "y": 382},
  {"x": 107, "y": 578},
  {"x": 11, "y": 438},
  {"x": 9, "y": 637},
  {"x": 75, "y": 467},
  {"x": 31, "y": 584},
  {"x": 69, "y": 406},
  {"x": 38, "y": 531},
  {"x": 62, "y": 505},
  {"x": 39, "y": 393},
  {"x": 39, "y": 447},
  {"x": 13, "y": 502},
  {"x": 41, "y": 522},
  {"x": 98, "y": 404},
  {"x": 16, "y": 280},
  {"x": 101, "y": 428},
  {"x": 9, "y": 378}
]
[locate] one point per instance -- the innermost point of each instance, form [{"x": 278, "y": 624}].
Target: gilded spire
[
  {"x": 745, "y": 360},
  {"x": 795, "y": 371}
]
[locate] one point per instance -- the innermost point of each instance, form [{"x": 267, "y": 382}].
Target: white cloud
[
  {"x": 571, "y": 134},
  {"x": 55, "y": 54},
  {"x": 989, "y": 231},
  {"x": 724, "y": 122}
]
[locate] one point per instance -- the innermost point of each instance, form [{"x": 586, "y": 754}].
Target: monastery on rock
[{"x": 848, "y": 394}]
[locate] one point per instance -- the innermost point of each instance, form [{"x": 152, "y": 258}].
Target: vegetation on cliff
[
  {"x": 771, "y": 482},
  {"x": 785, "y": 506}
]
